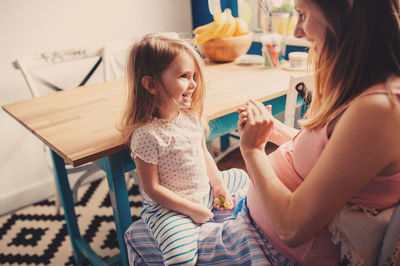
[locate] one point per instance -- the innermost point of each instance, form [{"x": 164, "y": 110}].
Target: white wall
[{"x": 31, "y": 26}]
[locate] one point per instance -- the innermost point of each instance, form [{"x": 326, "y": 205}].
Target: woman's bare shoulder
[
  {"x": 376, "y": 120},
  {"x": 375, "y": 108}
]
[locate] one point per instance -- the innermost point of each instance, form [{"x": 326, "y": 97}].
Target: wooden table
[{"x": 79, "y": 126}]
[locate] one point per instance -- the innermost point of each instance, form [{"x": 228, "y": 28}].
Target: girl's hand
[
  {"x": 201, "y": 215},
  {"x": 257, "y": 127},
  {"x": 222, "y": 198},
  {"x": 223, "y": 203}
]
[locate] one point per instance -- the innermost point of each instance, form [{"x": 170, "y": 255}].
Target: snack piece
[{"x": 220, "y": 202}]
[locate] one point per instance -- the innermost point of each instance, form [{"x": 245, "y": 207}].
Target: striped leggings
[{"x": 175, "y": 233}]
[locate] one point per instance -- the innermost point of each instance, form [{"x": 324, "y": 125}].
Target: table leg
[
  {"x": 68, "y": 206},
  {"x": 114, "y": 166},
  {"x": 225, "y": 142}
]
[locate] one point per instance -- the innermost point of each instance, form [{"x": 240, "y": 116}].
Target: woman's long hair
[
  {"x": 361, "y": 49},
  {"x": 150, "y": 57}
]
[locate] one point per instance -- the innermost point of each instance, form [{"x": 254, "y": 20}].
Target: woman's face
[{"x": 311, "y": 24}]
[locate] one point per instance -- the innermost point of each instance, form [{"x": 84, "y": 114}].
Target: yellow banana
[
  {"x": 232, "y": 26},
  {"x": 223, "y": 24},
  {"x": 212, "y": 32},
  {"x": 203, "y": 28},
  {"x": 217, "y": 13},
  {"x": 207, "y": 32},
  {"x": 203, "y": 37},
  {"x": 241, "y": 27},
  {"x": 204, "y": 33}
]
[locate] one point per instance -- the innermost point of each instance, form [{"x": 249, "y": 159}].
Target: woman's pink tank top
[{"x": 292, "y": 162}]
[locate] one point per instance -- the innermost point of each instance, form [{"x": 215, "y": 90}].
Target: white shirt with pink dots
[{"x": 176, "y": 148}]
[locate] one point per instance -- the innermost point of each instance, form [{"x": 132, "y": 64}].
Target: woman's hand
[
  {"x": 256, "y": 124},
  {"x": 201, "y": 214},
  {"x": 223, "y": 196},
  {"x": 242, "y": 119}
]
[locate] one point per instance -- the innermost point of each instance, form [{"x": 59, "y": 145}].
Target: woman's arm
[
  {"x": 357, "y": 151},
  {"x": 148, "y": 175},
  {"x": 282, "y": 133},
  {"x": 216, "y": 182}
]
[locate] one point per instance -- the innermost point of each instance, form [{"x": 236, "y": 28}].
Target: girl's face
[
  {"x": 311, "y": 23},
  {"x": 179, "y": 82}
]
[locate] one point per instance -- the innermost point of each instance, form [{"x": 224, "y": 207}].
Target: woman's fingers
[
  {"x": 262, "y": 109},
  {"x": 242, "y": 114},
  {"x": 254, "y": 113},
  {"x": 265, "y": 112},
  {"x": 241, "y": 109},
  {"x": 242, "y": 119},
  {"x": 258, "y": 127},
  {"x": 258, "y": 111}
]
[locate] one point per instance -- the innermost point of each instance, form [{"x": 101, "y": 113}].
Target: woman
[
  {"x": 348, "y": 152},
  {"x": 344, "y": 163}
]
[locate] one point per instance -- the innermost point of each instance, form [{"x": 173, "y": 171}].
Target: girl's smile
[{"x": 187, "y": 97}]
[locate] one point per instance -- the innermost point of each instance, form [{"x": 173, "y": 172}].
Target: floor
[
  {"x": 36, "y": 235},
  {"x": 235, "y": 160}
]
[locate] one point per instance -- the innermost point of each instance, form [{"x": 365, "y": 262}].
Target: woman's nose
[{"x": 298, "y": 31}]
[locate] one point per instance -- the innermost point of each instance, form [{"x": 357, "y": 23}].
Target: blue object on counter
[
  {"x": 294, "y": 48},
  {"x": 255, "y": 48},
  {"x": 201, "y": 14}
]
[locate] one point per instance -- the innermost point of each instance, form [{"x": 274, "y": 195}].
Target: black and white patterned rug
[{"x": 35, "y": 235}]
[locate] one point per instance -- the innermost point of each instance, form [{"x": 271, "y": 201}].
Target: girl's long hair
[
  {"x": 361, "y": 49},
  {"x": 150, "y": 57}
]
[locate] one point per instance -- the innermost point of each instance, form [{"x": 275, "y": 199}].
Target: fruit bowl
[{"x": 227, "y": 49}]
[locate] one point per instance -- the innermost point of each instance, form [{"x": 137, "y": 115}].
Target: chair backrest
[
  {"x": 34, "y": 68},
  {"x": 116, "y": 52},
  {"x": 296, "y": 82},
  {"x": 115, "y": 55},
  {"x": 390, "y": 248}
]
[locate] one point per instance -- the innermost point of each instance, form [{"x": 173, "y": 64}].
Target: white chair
[
  {"x": 59, "y": 70},
  {"x": 115, "y": 54},
  {"x": 297, "y": 82}
]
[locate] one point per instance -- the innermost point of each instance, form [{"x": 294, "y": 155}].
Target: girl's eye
[
  {"x": 184, "y": 76},
  {"x": 300, "y": 15}
]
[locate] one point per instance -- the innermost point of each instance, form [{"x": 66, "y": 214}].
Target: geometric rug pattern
[{"x": 36, "y": 235}]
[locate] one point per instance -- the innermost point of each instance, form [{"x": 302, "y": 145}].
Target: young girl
[{"x": 164, "y": 123}]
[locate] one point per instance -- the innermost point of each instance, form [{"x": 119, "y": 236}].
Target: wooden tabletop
[{"x": 80, "y": 124}]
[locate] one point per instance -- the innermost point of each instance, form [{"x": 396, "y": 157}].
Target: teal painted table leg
[
  {"x": 225, "y": 142},
  {"x": 114, "y": 166},
  {"x": 68, "y": 206},
  {"x": 222, "y": 125}
]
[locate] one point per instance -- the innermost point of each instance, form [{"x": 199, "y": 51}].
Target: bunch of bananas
[{"x": 223, "y": 26}]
